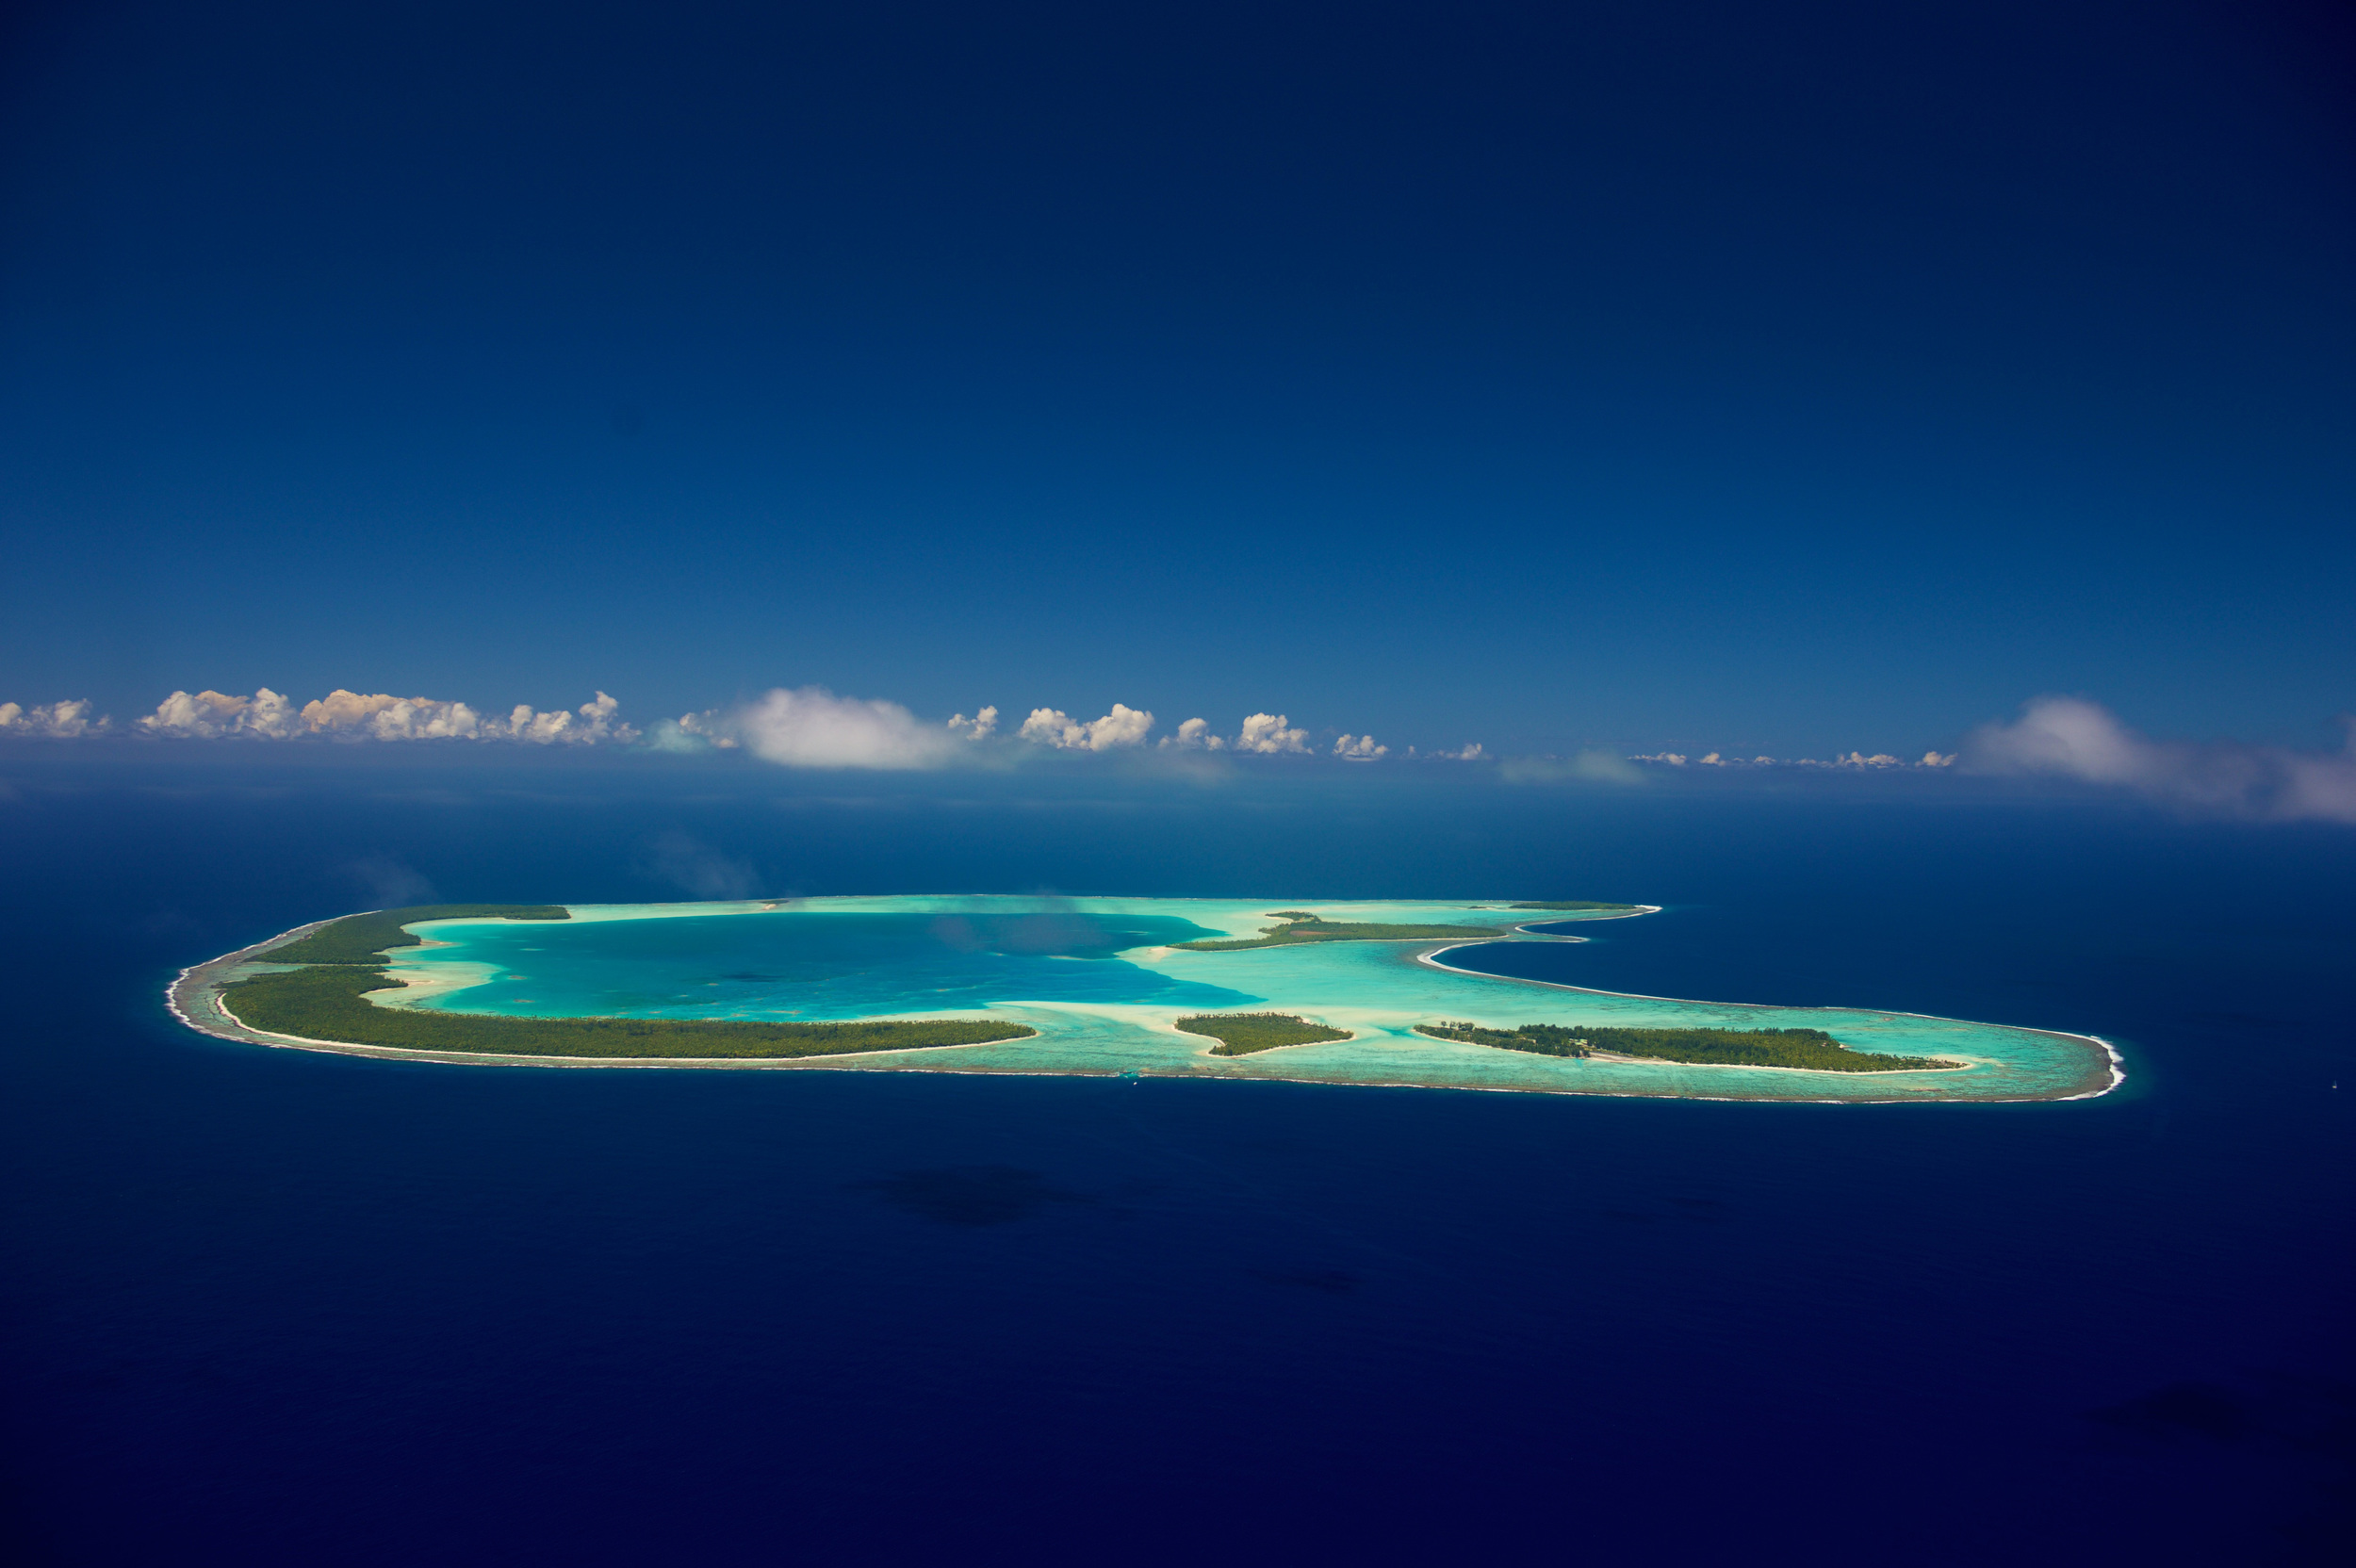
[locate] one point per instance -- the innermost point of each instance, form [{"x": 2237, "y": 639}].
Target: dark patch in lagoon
[
  {"x": 971, "y": 1194},
  {"x": 1064, "y": 934}
]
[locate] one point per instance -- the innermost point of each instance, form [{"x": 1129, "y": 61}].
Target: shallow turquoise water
[
  {"x": 814, "y": 964},
  {"x": 1104, "y": 982}
]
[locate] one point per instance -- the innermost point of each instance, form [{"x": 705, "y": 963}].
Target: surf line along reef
[{"x": 1340, "y": 992}]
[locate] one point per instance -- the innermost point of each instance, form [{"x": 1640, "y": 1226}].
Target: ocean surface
[{"x": 272, "y": 1307}]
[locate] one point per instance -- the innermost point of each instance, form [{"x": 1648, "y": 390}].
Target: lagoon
[{"x": 1103, "y": 980}]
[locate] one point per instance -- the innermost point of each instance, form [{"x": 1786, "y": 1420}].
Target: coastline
[
  {"x": 250, "y": 1035},
  {"x": 194, "y": 998},
  {"x": 2114, "y": 1064},
  {"x": 177, "y": 995}
]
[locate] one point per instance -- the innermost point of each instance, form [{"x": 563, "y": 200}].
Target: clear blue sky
[{"x": 1789, "y": 377}]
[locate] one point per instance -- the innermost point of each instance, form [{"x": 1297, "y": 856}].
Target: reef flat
[{"x": 1105, "y": 985}]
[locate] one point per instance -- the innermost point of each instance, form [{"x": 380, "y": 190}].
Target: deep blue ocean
[{"x": 272, "y": 1308}]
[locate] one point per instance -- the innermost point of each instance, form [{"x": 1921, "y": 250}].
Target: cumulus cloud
[
  {"x": 981, "y": 726},
  {"x": 1267, "y": 733},
  {"x": 2070, "y": 738},
  {"x": 815, "y": 729},
  {"x": 351, "y": 715},
  {"x": 210, "y": 713},
  {"x": 588, "y": 723},
  {"x": 383, "y": 717},
  {"x": 1052, "y": 726},
  {"x": 1609, "y": 767},
  {"x": 695, "y": 732},
  {"x": 63, "y": 719},
  {"x": 1856, "y": 760},
  {"x": 1359, "y": 748},
  {"x": 1122, "y": 726},
  {"x": 1195, "y": 735}
]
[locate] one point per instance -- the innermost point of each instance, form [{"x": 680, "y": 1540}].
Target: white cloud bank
[
  {"x": 808, "y": 728},
  {"x": 1266, "y": 733},
  {"x": 210, "y": 714},
  {"x": 1276, "y": 735},
  {"x": 1854, "y": 760},
  {"x": 1052, "y": 726},
  {"x": 981, "y": 726},
  {"x": 350, "y": 715},
  {"x": 63, "y": 719},
  {"x": 811, "y": 728},
  {"x": 815, "y": 729},
  {"x": 1269, "y": 734},
  {"x": 1195, "y": 735},
  {"x": 2070, "y": 738}
]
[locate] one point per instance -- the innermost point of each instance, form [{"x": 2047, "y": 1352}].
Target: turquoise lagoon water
[{"x": 1103, "y": 982}]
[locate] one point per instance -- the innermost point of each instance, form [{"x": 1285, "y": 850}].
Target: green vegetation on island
[
  {"x": 1241, "y": 1034},
  {"x": 366, "y": 938},
  {"x": 1809, "y": 1050},
  {"x": 1310, "y": 929},
  {"x": 329, "y": 1002},
  {"x": 1576, "y": 904}
]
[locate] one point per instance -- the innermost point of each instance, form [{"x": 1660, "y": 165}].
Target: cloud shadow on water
[
  {"x": 1333, "y": 1282},
  {"x": 970, "y": 1194}
]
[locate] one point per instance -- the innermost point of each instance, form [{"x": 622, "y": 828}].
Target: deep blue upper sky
[{"x": 1782, "y": 377}]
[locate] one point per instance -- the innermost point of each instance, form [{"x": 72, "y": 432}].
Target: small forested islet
[{"x": 1809, "y": 1050}]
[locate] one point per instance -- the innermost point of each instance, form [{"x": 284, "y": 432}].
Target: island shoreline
[
  {"x": 2115, "y": 1062},
  {"x": 200, "y": 984}
]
